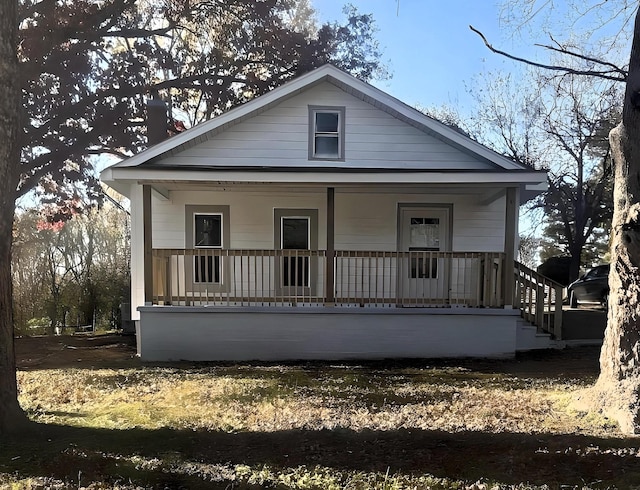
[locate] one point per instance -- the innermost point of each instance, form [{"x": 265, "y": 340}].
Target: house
[{"x": 328, "y": 220}]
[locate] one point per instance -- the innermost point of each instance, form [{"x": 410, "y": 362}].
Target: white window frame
[{"x": 339, "y": 134}]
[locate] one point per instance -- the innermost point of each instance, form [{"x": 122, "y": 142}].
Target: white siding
[
  {"x": 369, "y": 221},
  {"x": 279, "y": 137},
  {"x": 250, "y": 214}
]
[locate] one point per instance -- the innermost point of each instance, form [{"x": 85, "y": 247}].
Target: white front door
[{"x": 424, "y": 273}]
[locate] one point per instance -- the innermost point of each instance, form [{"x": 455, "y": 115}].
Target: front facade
[{"x": 324, "y": 220}]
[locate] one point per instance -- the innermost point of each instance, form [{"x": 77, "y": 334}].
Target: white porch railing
[
  {"x": 539, "y": 299},
  {"x": 298, "y": 277}
]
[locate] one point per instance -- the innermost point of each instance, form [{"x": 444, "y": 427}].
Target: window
[
  {"x": 207, "y": 229},
  {"x": 326, "y": 133},
  {"x": 424, "y": 236},
  {"x": 207, "y": 233}
]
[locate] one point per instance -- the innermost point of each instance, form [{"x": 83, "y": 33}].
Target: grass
[{"x": 448, "y": 426}]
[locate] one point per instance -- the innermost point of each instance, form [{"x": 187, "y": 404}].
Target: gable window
[{"x": 326, "y": 133}]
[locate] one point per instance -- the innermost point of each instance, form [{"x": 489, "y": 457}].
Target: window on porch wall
[{"x": 207, "y": 229}]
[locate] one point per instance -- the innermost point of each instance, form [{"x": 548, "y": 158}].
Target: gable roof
[{"x": 347, "y": 83}]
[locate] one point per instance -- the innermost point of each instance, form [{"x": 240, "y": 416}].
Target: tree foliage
[
  {"x": 88, "y": 67},
  {"x": 72, "y": 273}
]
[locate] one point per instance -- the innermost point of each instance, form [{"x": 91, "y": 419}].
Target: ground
[
  {"x": 71, "y": 351},
  {"x": 418, "y": 435},
  {"x": 87, "y": 351}
]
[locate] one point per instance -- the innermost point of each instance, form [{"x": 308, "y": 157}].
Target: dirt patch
[
  {"x": 113, "y": 351},
  {"x": 80, "y": 351}
]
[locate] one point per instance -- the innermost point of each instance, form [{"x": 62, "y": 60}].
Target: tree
[
  {"x": 617, "y": 391},
  {"x": 578, "y": 205},
  {"x": 73, "y": 272},
  {"x": 11, "y": 416},
  {"x": 86, "y": 69},
  {"x": 561, "y": 125}
]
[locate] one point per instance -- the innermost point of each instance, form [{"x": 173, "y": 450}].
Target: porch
[
  {"x": 312, "y": 278},
  {"x": 315, "y": 304}
]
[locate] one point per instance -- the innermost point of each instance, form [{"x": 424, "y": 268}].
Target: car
[{"x": 592, "y": 287}]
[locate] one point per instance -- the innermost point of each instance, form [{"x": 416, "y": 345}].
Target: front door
[
  {"x": 423, "y": 275},
  {"x": 295, "y": 237},
  {"x": 296, "y": 234}
]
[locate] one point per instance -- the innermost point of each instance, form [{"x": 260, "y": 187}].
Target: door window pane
[
  {"x": 206, "y": 269},
  {"x": 295, "y": 271},
  {"x": 424, "y": 233},
  {"x": 295, "y": 236},
  {"x": 295, "y": 233},
  {"x": 424, "y": 236},
  {"x": 208, "y": 230}
]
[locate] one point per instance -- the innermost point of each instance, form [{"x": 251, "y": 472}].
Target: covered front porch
[{"x": 325, "y": 300}]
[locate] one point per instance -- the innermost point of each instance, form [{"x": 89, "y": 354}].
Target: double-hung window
[{"x": 326, "y": 133}]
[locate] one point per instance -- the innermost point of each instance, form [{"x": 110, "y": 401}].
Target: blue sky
[{"x": 431, "y": 52}]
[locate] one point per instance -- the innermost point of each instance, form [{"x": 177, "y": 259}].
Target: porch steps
[{"x": 529, "y": 338}]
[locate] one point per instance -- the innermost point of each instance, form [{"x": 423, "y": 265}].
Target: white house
[{"x": 328, "y": 220}]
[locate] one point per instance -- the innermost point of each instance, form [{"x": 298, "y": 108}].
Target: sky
[{"x": 432, "y": 54}]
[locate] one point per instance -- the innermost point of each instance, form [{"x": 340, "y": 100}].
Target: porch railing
[
  {"x": 297, "y": 277},
  {"x": 539, "y": 299}
]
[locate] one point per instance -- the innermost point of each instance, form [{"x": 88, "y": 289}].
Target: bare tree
[{"x": 617, "y": 391}]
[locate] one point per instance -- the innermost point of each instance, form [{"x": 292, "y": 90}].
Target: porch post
[
  {"x": 146, "y": 233},
  {"x": 510, "y": 232},
  {"x": 329, "y": 272}
]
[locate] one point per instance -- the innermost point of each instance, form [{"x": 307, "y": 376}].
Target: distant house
[{"x": 326, "y": 220}]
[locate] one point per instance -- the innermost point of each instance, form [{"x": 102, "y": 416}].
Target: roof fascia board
[{"x": 168, "y": 176}]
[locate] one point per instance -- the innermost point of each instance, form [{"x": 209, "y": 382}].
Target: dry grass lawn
[{"x": 114, "y": 423}]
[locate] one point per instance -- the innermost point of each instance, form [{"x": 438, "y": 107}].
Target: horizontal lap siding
[
  {"x": 364, "y": 221},
  {"x": 479, "y": 228},
  {"x": 250, "y": 213},
  {"x": 369, "y": 221},
  {"x": 279, "y": 137}
]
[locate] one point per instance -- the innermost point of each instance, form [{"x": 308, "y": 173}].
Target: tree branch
[{"x": 615, "y": 74}]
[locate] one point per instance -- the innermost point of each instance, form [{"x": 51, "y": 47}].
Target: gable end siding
[{"x": 279, "y": 137}]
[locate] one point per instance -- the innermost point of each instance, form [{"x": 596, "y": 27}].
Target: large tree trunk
[
  {"x": 11, "y": 416},
  {"x": 618, "y": 388}
]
